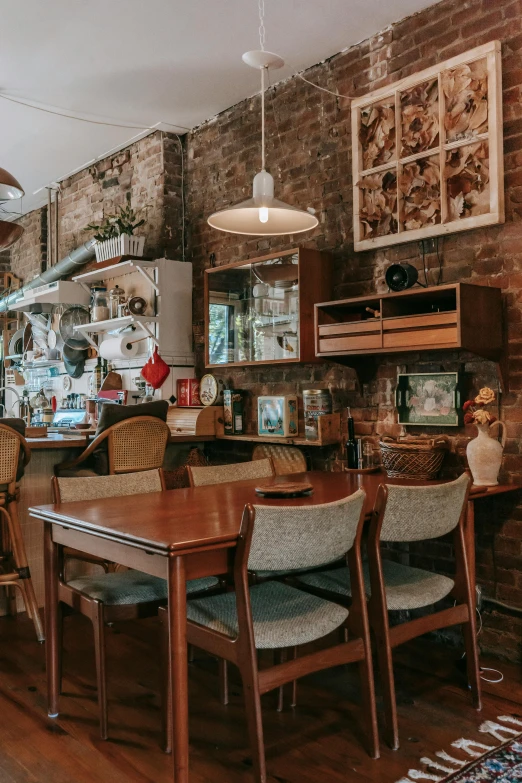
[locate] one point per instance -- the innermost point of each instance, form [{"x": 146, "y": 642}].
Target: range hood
[{"x": 43, "y": 298}]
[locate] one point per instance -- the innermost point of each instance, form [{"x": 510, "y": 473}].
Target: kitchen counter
[{"x": 56, "y": 441}]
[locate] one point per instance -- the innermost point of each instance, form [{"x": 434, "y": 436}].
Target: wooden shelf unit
[
  {"x": 454, "y": 316},
  {"x": 329, "y": 427}
]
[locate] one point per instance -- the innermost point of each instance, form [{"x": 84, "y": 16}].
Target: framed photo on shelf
[
  {"x": 427, "y": 152},
  {"x": 429, "y": 399}
]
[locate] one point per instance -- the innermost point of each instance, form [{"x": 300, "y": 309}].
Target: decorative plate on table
[{"x": 286, "y": 489}]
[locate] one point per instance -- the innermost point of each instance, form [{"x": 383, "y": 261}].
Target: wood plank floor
[{"x": 318, "y": 741}]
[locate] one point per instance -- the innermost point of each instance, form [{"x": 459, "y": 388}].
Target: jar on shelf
[
  {"x": 116, "y": 298},
  {"x": 99, "y": 304}
]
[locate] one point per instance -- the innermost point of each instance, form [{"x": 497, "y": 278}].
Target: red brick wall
[
  {"x": 148, "y": 172},
  {"x": 309, "y": 154}
]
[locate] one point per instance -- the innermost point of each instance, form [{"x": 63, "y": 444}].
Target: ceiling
[{"x": 175, "y": 62}]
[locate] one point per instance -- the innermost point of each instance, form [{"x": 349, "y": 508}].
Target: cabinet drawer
[
  {"x": 428, "y": 337},
  {"x": 359, "y": 342},
  {"x": 350, "y": 327},
  {"x": 419, "y": 321}
]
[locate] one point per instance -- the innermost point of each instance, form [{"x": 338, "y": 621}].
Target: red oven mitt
[{"x": 155, "y": 371}]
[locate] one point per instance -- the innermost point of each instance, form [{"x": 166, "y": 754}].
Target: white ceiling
[{"x": 147, "y": 61}]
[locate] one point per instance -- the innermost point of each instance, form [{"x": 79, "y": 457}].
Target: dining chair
[
  {"x": 286, "y": 459},
  {"x": 222, "y": 474},
  {"x": 109, "y": 597},
  {"x": 275, "y": 615},
  {"x": 14, "y": 569},
  {"x": 132, "y": 445},
  {"x": 407, "y": 514}
]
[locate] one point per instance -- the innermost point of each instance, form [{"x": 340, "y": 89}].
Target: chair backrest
[
  {"x": 67, "y": 490},
  {"x": 419, "y": 513},
  {"x": 223, "y": 474},
  {"x": 137, "y": 444},
  {"x": 14, "y": 454},
  {"x": 289, "y": 537},
  {"x": 286, "y": 459}
]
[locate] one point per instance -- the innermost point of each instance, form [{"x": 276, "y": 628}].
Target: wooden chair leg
[
  {"x": 60, "y": 647},
  {"x": 472, "y": 662},
  {"x": 369, "y": 707},
  {"x": 101, "y": 678},
  {"x": 20, "y": 558},
  {"x": 293, "y": 656},
  {"x": 223, "y": 681},
  {"x": 248, "y": 671},
  {"x": 166, "y": 686},
  {"x": 385, "y": 659},
  {"x": 280, "y": 657}
]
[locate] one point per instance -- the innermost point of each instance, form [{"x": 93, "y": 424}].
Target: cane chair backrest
[
  {"x": 137, "y": 444},
  {"x": 95, "y": 487},
  {"x": 223, "y": 474},
  {"x": 9, "y": 454},
  {"x": 291, "y": 537},
  {"x": 419, "y": 513},
  {"x": 286, "y": 459}
]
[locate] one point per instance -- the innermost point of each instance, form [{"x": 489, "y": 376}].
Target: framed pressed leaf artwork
[
  {"x": 429, "y": 399},
  {"x": 427, "y": 152}
]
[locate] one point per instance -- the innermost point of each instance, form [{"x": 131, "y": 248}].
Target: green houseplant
[{"x": 115, "y": 235}]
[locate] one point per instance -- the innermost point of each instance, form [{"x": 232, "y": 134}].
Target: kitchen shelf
[
  {"x": 118, "y": 270},
  {"x": 329, "y": 434},
  {"x": 112, "y": 324}
]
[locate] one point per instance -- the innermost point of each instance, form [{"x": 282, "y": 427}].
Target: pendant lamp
[
  {"x": 10, "y": 188},
  {"x": 263, "y": 215},
  {"x": 9, "y": 233}
]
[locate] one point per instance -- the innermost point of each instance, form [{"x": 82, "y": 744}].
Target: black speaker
[{"x": 401, "y": 276}]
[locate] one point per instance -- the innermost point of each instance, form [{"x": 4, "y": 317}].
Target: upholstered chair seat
[
  {"x": 406, "y": 587},
  {"x": 132, "y": 587},
  {"x": 282, "y": 616}
]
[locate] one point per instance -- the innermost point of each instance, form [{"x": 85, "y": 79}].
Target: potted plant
[
  {"x": 115, "y": 236},
  {"x": 484, "y": 452}
]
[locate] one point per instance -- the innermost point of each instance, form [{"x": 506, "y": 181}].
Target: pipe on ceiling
[{"x": 66, "y": 266}]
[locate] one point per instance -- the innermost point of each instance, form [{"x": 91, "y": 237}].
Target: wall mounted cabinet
[
  {"x": 260, "y": 311},
  {"x": 456, "y": 316}
]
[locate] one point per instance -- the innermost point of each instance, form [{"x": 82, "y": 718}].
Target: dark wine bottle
[{"x": 351, "y": 443}]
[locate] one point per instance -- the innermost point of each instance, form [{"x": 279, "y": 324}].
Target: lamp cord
[
  {"x": 263, "y": 118},
  {"x": 262, "y": 31}
]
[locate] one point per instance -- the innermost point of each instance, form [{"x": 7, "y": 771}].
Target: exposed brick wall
[
  {"x": 148, "y": 173},
  {"x": 309, "y": 155}
]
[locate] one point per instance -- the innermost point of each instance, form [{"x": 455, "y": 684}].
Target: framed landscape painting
[{"x": 429, "y": 399}]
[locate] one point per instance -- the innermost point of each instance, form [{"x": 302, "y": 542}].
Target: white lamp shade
[
  {"x": 244, "y": 219},
  {"x": 10, "y": 188}
]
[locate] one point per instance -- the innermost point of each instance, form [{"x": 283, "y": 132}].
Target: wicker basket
[{"x": 413, "y": 458}]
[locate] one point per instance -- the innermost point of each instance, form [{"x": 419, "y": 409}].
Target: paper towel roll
[{"x": 119, "y": 348}]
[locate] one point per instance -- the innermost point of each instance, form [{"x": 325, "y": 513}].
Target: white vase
[{"x": 484, "y": 455}]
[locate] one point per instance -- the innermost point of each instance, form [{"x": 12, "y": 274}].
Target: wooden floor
[{"x": 319, "y": 741}]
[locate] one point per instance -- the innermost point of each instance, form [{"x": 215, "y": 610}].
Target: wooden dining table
[{"x": 180, "y": 534}]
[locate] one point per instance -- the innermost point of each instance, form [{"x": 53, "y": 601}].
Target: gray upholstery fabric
[
  {"x": 282, "y": 615},
  {"x": 91, "y": 487},
  {"x": 296, "y": 537},
  {"x": 406, "y": 587},
  {"x": 132, "y": 587},
  {"x": 240, "y": 471},
  {"x": 275, "y": 574},
  {"x": 419, "y": 513}
]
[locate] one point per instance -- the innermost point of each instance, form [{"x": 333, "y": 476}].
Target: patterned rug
[{"x": 490, "y": 763}]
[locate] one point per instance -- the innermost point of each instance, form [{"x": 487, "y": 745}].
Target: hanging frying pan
[{"x": 74, "y": 316}]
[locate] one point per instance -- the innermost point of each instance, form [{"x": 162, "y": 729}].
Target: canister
[
  {"x": 316, "y": 402},
  {"x": 187, "y": 392}
]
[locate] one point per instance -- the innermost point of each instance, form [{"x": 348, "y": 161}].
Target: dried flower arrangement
[
  {"x": 440, "y": 132},
  {"x": 474, "y": 412},
  {"x": 466, "y": 92},
  {"x": 379, "y": 203},
  {"x": 420, "y": 118},
  {"x": 377, "y": 134},
  {"x": 419, "y": 184},
  {"x": 467, "y": 176}
]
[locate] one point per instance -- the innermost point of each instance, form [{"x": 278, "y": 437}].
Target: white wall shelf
[
  {"x": 119, "y": 270},
  {"x": 113, "y": 324}
]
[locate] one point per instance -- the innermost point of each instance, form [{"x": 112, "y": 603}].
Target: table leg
[
  {"x": 469, "y": 538},
  {"x": 179, "y": 667},
  {"x": 51, "y": 620}
]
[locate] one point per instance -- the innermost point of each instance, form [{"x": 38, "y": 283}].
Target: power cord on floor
[{"x": 485, "y": 668}]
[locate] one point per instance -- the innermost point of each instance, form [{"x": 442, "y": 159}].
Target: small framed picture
[
  {"x": 430, "y": 399},
  {"x": 277, "y": 415}
]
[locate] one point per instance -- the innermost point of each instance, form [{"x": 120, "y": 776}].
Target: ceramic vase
[{"x": 484, "y": 455}]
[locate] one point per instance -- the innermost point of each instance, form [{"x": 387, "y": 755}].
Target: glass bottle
[
  {"x": 97, "y": 376},
  {"x": 351, "y": 443}
]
